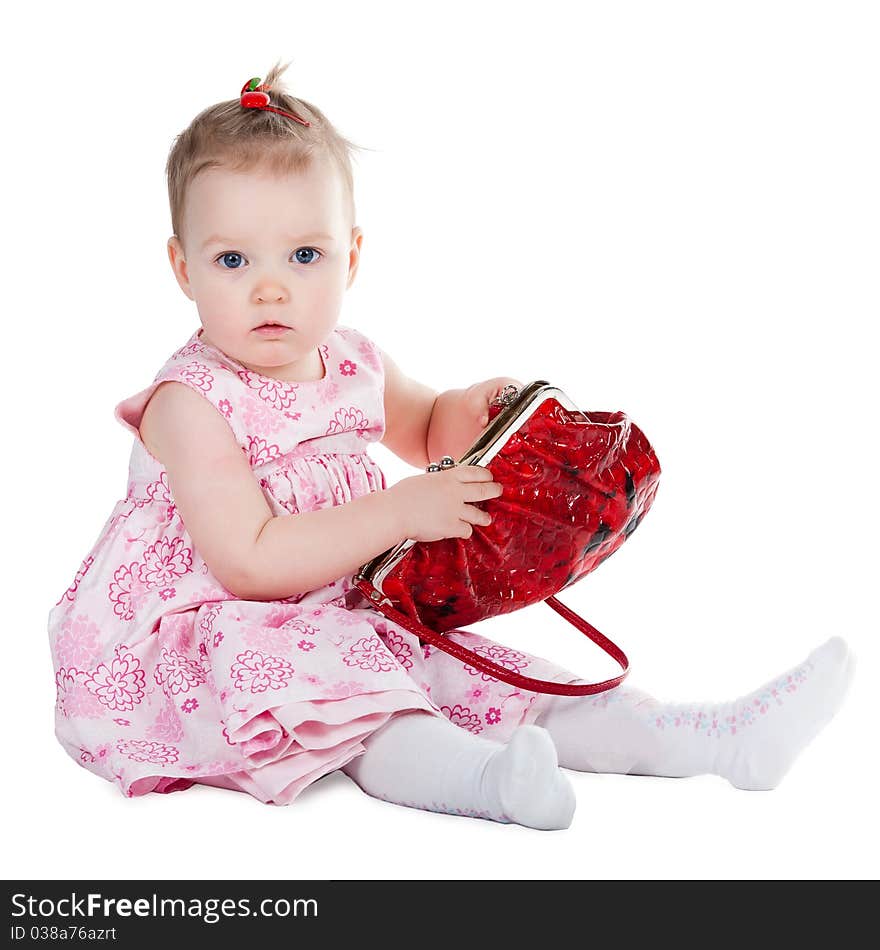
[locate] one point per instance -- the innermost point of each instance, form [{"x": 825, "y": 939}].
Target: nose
[
  {"x": 269, "y": 289},
  {"x": 274, "y": 295}
]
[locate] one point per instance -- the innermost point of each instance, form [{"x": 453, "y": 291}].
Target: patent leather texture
[{"x": 576, "y": 486}]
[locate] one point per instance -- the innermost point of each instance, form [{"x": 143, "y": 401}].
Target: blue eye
[
  {"x": 311, "y": 251},
  {"x": 233, "y": 255},
  {"x": 304, "y": 255}
]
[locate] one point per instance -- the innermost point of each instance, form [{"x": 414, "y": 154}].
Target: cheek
[
  {"x": 218, "y": 307},
  {"x": 328, "y": 292}
]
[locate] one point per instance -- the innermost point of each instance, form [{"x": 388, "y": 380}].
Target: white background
[{"x": 665, "y": 208}]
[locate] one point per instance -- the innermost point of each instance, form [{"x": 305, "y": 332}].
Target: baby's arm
[
  {"x": 255, "y": 555},
  {"x": 460, "y": 415},
  {"x": 421, "y": 425}
]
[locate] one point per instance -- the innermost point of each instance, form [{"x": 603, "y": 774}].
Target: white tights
[{"x": 425, "y": 761}]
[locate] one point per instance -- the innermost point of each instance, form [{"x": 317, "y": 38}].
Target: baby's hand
[
  {"x": 480, "y": 395},
  {"x": 443, "y": 504}
]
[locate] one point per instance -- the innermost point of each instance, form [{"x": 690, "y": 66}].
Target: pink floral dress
[{"x": 164, "y": 678}]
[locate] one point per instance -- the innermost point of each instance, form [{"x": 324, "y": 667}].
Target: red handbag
[{"x": 576, "y": 486}]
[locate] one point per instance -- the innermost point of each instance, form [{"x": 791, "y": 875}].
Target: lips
[{"x": 280, "y": 326}]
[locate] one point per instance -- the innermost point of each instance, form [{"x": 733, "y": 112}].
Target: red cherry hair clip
[{"x": 253, "y": 97}]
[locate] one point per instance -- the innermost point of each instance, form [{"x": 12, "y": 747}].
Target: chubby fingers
[{"x": 483, "y": 394}]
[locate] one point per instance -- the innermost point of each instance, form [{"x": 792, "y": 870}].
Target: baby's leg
[
  {"x": 425, "y": 761},
  {"x": 752, "y": 741}
]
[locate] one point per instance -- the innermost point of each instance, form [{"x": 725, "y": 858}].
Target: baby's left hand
[{"x": 480, "y": 395}]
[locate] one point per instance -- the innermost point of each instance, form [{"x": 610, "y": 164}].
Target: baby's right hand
[{"x": 435, "y": 505}]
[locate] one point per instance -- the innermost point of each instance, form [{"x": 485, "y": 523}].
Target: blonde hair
[{"x": 228, "y": 135}]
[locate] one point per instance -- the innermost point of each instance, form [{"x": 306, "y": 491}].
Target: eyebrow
[{"x": 218, "y": 239}]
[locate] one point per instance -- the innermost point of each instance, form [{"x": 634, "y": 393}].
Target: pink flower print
[
  {"x": 165, "y": 561},
  {"x": 218, "y": 638},
  {"x": 279, "y": 614},
  {"x": 351, "y": 419},
  {"x": 462, "y": 716},
  {"x": 189, "y": 350},
  {"x": 426, "y": 650},
  {"x": 275, "y": 392},
  {"x": 207, "y": 622},
  {"x": 176, "y": 674},
  {"x": 369, "y": 653},
  {"x": 309, "y": 498},
  {"x": 214, "y": 768},
  {"x": 347, "y": 368},
  {"x": 119, "y": 685},
  {"x": 477, "y": 693},
  {"x": 142, "y": 750},
  {"x": 176, "y": 632},
  {"x": 293, "y": 416},
  {"x": 99, "y": 755},
  {"x": 267, "y": 639},
  {"x": 259, "y": 451},
  {"x": 329, "y": 395},
  {"x": 203, "y": 657},
  {"x": 127, "y": 591},
  {"x": 190, "y": 705},
  {"x": 198, "y": 375},
  {"x": 209, "y": 679},
  {"x": 73, "y": 697},
  {"x": 122, "y": 722},
  {"x": 80, "y": 574},
  {"x": 306, "y": 645},
  {"x": 167, "y": 593},
  {"x": 300, "y": 627},
  {"x": 78, "y": 643},
  {"x": 369, "y": 355},
  {"x": 383, "y": 627},
  {"x": 493, "y": 716},
  {"x": 80, "y": 702},
  {"x": 162, "y": 514},
  {"x": 399, "y": 648},
  {"x": 225, "y": 406},
  {"x": 257, "y": 672},
  {"x": 313, "y": 679},
  {"x": 509, "y": 659},
  {"x": 225, "y": 734},
  {"x": 349, "y": 618},
  {"x": 159, "y": 490},
  {"x": 259, "y": 417},
  {"x": 167, "y": 727},
  {"x": 343, "y": 690}
]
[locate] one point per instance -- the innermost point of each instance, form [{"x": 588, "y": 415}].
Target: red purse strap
[{"x": 500, "y": 672}]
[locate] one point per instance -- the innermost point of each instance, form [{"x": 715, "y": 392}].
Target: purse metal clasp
[{"x": 446, "y": 462}]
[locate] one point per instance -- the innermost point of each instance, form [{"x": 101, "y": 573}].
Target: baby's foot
[
  {"x": 771, "y": 726},
  {"x": 524, "y": 779}
]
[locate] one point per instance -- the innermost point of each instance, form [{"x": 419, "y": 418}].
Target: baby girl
[{"x": 214, "y": 635}]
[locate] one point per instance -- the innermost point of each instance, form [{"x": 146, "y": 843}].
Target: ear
[
  {"x": 354, "y": 255},
  {"x": 178, "y": 265}
]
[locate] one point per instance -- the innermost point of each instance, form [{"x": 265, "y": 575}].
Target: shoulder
[
  {"x": 359, "y": 345},
  {"x": 178, "y": 419}
]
